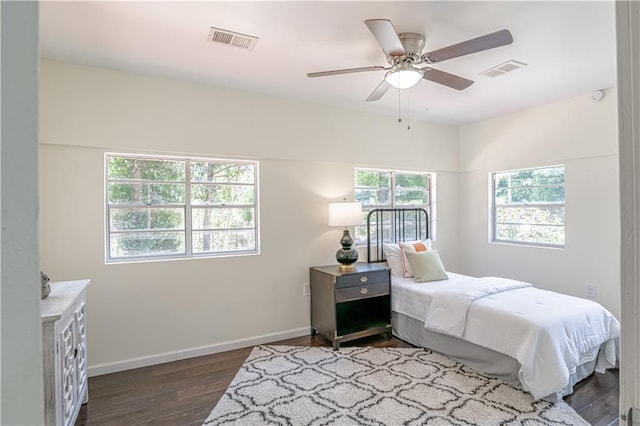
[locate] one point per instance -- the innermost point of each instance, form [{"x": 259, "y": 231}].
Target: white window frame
[
  {"x": 493, "y": 204},
  {"x": 429, "y": 207},
  {"x": 187, "y": 206}
]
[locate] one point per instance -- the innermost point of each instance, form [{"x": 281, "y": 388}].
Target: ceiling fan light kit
[
  {"x": 403, "y": 78},
  {"x": 405, "y": 50}
]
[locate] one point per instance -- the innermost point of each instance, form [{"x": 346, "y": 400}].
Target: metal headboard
[{"x": 393, "y": 225}]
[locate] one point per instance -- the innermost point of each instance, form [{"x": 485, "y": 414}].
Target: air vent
[
  {"x": 230, "y": 38},
  {"x": 503, "y": 68}
]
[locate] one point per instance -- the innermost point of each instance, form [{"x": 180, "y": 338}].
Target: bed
[{"x": 541, "y": 341}]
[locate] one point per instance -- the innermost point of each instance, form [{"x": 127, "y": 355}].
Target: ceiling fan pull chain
[
  {"x": 399, "y": 107},
  {"x": 408, "y": 114}
]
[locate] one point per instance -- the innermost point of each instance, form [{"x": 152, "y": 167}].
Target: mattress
[
  {"x": 413, "y": 299},
  {"x": 487, "y": 361},
  {"x": 549, "y": 334}
]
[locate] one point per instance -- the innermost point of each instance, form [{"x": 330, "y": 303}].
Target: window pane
[
  {"x": 221, "y": 218},
  {"x": 223, "y": 241},
  {"x": 146, "y": 193},
  {"x": 373, "y": 197},
  {"x": 531, "y": 195},
  {"x": 142, "y": 219},
  {"x": 361, "y": 234},
  {"x": 222, "y": 172},
  {"x": 530, "y": 215},
  {"x": 540, "y": 234},
  {"x": 146, "y": 244},
  {"x": 501, "y": 196},
  {"x": 411, "y": 181},
  {"x": 413, "y": 229},
  {"x": 531, "y": 177},
  {"x": 217, "y": 194},
  {"x": 390, "y": 231},
  {"x": 372, "y": 179},
  {"x": 145, "y": 169},
  {"x": 405, "y": 197},
  {"x": 373, "y": 189},
  {"x": 501, "y": 180}
]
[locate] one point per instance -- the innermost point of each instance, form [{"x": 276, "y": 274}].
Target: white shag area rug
[{"x": 299, "y": 385}]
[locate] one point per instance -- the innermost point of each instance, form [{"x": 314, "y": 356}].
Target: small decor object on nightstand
[
  {"x": 346, "y": 214},
  {"x": 45, "y": 288}
]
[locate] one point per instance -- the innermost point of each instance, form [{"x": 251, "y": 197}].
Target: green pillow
[{"x": 426, "y": 266}]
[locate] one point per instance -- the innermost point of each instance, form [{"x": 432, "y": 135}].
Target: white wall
[
  {"x": 155, "y": 311},
  {"x": 582, "y": 135},
  {"x": 141, "y": 313},
  {"x": 22, "y": 397}
]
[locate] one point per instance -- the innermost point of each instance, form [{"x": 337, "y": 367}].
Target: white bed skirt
[{"x": 481, "y": 359}]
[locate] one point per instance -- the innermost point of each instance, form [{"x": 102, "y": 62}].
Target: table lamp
[{"x": 346, "y": 214}]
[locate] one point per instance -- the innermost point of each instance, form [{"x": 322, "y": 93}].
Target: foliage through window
[
  {"x": 528, "y": 206},
  {"x": 159, "y": 207},
  {"x": 390, "y": 189}
]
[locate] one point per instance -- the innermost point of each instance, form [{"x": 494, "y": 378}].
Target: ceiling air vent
[
  {"x": 503, "y": 68},
  {"x": 230, "y": 38}
]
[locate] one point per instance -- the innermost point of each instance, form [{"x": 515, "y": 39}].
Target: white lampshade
[
  {"x": 403, "y": 78},
  {"x": 345, "y": 214}
]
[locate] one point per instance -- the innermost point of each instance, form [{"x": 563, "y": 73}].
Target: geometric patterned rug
[{"x": 301, "y": 385}]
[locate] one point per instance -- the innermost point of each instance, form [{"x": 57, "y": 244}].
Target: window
[
  {"x": 528, "y": 206},
  {"x": 390, "y": 189},
  {"x": 163, "y": 207}
]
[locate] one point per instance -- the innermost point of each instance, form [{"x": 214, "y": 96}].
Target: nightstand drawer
[
  {"x": 364, "y": 278},
  {"x": 362, "y": 291}
]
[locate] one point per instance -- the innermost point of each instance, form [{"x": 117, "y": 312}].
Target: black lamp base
[{"x": 346, "y": 256}]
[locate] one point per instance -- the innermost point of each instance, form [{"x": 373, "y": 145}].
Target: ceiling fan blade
[
  {"x": 383, "y": 31},
  {"x": 478, "y": 44},
  {"x": 446, "y": 79},
  {"x": 344, "y": 71},
  {"x": 378, "y": 91}
]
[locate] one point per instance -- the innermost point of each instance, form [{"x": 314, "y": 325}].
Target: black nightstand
[{"x": 348, "y": 305}]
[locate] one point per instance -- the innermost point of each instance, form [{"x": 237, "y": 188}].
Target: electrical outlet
[
  {"x": 306, "y": 290},
  {"x": 590, "y": 291}
]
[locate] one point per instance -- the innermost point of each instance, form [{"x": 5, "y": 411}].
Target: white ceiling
[{"x": 569, "y": 48}]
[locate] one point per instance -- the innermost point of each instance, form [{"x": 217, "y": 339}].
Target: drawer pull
[
  {"x": 364, "y": 279},
  {"x": 364, "y": 290}
]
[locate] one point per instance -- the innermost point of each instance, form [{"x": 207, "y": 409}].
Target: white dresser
[{"x": 64, "y": 344}]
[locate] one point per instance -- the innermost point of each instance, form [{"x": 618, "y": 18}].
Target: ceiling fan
[{"x": 404, "y": 52}]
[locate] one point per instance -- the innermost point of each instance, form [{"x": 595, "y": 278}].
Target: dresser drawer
[
  {"x": 364, "y": 278},
  {"x": 362, "y": 291}
]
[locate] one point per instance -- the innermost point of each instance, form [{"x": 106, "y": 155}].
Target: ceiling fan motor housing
[{"x": 413, "y": 44}]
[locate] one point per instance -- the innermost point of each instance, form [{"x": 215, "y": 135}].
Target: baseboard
[{"x": 128, "y": 364}]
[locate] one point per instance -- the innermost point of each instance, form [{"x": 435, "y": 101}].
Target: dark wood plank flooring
[{"x": 184, "y": 392}]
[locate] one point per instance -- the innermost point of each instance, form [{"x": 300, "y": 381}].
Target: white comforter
[
  {"x": 449, "y": 306},
  {"x": 548, "y": 333}
]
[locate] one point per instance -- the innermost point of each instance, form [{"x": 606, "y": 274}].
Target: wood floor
[{"x": 184, "y": 392}]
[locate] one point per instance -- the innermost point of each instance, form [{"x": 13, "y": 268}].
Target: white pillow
[
  {"x": 427, "y": 266},
  {"x": 411, "y": 246},
  {"x": 394, "y": 261}
]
